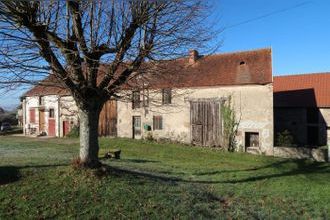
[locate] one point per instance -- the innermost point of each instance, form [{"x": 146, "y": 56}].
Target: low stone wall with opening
[{"x": 320, "y": 155}]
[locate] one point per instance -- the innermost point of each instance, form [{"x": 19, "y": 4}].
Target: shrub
[
  {"x": 230, "y": 125},
  {"x": 285, "y": 139},
  {"x": 74, "y": 133},
  {"x": 149, "y": 136}
]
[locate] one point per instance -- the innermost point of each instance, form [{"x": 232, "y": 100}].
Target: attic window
[
  {"x": 166, "y": 96},
  {"x": 242, "y": 63}
]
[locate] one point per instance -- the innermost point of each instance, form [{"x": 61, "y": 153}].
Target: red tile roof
[
  {"x": 49, "y": 86},
  {"x": 304, "y": 90},
  {"x": 238, "y": 68}
]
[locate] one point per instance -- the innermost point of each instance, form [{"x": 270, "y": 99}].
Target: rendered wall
[{"x": 253, "y": 105}]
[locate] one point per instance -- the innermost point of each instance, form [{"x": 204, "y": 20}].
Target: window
[
  {"x": 158, "y": 122},
  {"x": 32, "y": 115},
  {"x": 166, "y": 96},
  {"x": 136, "y": 100},
  {"x": 51, "y": 113},
  {"x": 251, "y": 139},
  {"x": 146, "y": 98},
  {"x": 41, "y": 100}
]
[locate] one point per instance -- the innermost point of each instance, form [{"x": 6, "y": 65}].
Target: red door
[
  {"x": 51, "y": 127},
  {"x": 66, "y": 128}
]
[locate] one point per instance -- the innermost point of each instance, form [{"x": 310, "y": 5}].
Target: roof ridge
[
  {"x": 303, "y": 74},
  {"x": 241, "y": 51}
]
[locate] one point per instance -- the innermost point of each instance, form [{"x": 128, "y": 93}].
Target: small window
[
  {"x": 136, "y": 100},
  {"x": 146, "y": 98},
  {"x": 41, "y": 100},
  {"x": 166, "y": 96},
  {"x": 242, "y": 63},
  {"x": 51, "y": 113},
  {"x": 158, "y": 122},
  {"x": 251, "y": 139}
]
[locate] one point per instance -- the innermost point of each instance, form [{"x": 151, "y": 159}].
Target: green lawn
[{"x": 154, "y": 181}]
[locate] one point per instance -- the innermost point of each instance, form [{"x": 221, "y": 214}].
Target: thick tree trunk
[{"x": 89, "y": 144}]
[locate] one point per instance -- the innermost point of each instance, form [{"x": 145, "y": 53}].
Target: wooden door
[
  {"x": 41, "y": 120},
  {"x": 136, "y": 127},
  {"x": 66, "y": 128},
  {"x": 51, "y": 127},
  {"x": 108, "y": 119},
  {"x": 205, "y": 123}
]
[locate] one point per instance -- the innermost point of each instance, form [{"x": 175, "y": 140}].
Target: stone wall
[
  {"x": 320, "y": 155},
  {"x": 293, "y": 120},
  {"x": 253, "y": 105}
]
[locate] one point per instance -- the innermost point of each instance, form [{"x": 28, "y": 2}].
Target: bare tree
[{"x": 71, "y": 40}]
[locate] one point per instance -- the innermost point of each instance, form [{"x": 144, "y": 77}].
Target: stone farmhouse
[
  {"x": 302, "y": 106},
  {"x": 184, "y": 104}
]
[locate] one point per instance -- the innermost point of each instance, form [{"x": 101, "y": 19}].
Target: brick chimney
[{"x": 193, "y": 56}]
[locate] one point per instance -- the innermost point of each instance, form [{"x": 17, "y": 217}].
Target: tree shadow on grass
[
  {"x": 9, "y": 174},
  {"x": 278, "y": 164},
  {"x": 140, "y": 161},
  {"x": 304, "y": 167}
]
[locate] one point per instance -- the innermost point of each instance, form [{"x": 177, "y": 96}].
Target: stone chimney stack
[{"x": 193, "y": 56}]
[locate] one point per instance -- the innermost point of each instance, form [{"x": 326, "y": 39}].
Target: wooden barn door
[
  {"x": 41, "y": 120},
  {"x": 205, "y": 123},
  {"x": 108, "y": 119}
]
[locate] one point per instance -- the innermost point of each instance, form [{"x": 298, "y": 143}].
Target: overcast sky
[{"x": 298, "y": 32}]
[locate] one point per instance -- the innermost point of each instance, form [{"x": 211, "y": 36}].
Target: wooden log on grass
[{"x": 115, "y": 153}]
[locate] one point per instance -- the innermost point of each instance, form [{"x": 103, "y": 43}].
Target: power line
[{"x": 268, "y": 15}]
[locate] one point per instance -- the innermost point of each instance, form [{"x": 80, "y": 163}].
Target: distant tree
[
  {"x": 9, "y": 116},
  {"x": 71, "y": 39}
]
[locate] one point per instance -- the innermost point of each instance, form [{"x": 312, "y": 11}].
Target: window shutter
[
  {"x": 158, "y": 122},
  {"x": 32, "y": 115}
]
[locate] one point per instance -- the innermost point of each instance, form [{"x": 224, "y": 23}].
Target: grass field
[{"x": 156, "y": 181}]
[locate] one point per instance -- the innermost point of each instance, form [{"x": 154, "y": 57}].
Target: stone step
[{"x": 253, "y": 150}]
